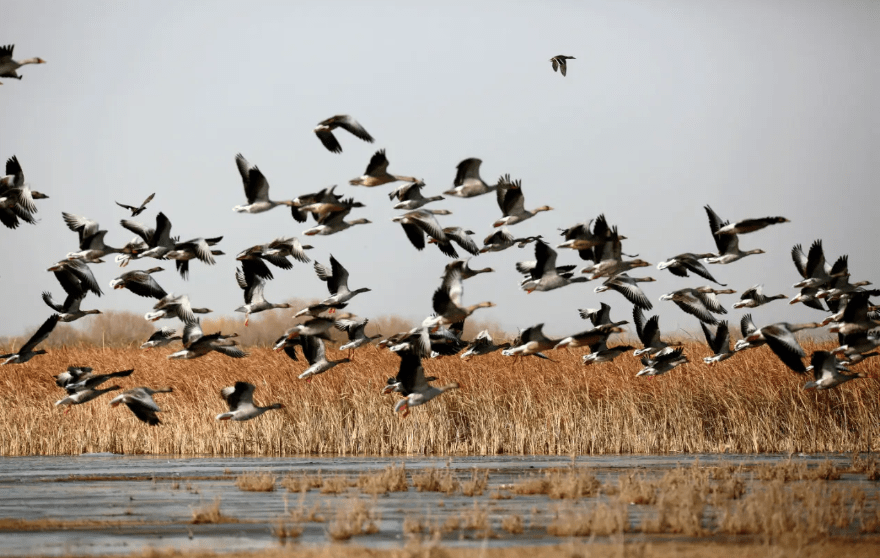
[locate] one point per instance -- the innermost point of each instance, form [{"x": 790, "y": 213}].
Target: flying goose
[
  {"x": 649, "y": 334},
  {"x": 719, "y": 342},
  {"x": 579, "y": 237},
  {"x": 598, "y": 334},
  {"x": 323, "y": 200},
  {"x": 781, "y": 340},
  {"x": 483, "y": 344},
  {"x": 256, "y": 189},
  {"x": 140, "y": 401},
  {"x": 748, "y": 327},
  {"x": 315, "y": 353},
  {"x": 334, "y": 221},
  {"x": 197, "y": 344},
  {"x": 158, "y": 240},
  {"x": 325, "y": 128},
  {"x": 337, "y": 282},
  {"x": 15, "y": 195},
  {"x": 447, "y": 302},
  {"x": 410, "y": 197},
  {"x": 197, "y": 248},
  {"x": 70, "y": 310},
  {"x": 826, "y": 371},
  {"x": 71, "y": 375},
  {"x": 559, "y": 61},
  {"x": 315, "y": 310},
  {"x": 285, "y": 246},
  {"x": 81, "y": 378},
  {"x": 91, "y": 239},
  {"x": 78, "y": 397},
  {"x": 140, "y": 283},
  {"x": 76, "y": 270},
  {"x": 662, "y": 362},
  {"x": 253, "y": 286},
  {"x": 419, "y": 222},
  {"x": 750, "y": 225},
  {"x": 465, "y": 269},
  {"x": 855, "y": 315},
  {"x": 417, "y": 390},
  {"x": 531, "y": 341},
  {"x": 135, "y": 211},
  {"x": 240, "y": 399},
  {"x": 855, "y": 345},
  {"x": 544, "y": 275},
  {"x": 682, "y": 263},
  {"x": 172, "y": 306},
  {"x": 357, "y": 336},
  {"x": 468, "y": 184},
  {"x": 28, "y": 351},
  {"x": 8, "y": 65},
  {"x": 502, "y": 240},
  {"x": 628, "y": 287},
  {"x": 816, "y": 272},
  {"x": 161, "y": 337},
  {"x": 727, "y": 244},
  {"x": 461, "y": 237},
  {"x": 599, "y": 351},
  {"x": 699, "y": 302},
  {"x": 839, "y": 286},
  {"x": 377, "y": 173},
  {"x": 511, "y": 202},
  {"x": 754, "y": 297}
]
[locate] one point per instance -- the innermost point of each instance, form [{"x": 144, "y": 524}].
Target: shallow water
[{"x": 145, "y": 490}]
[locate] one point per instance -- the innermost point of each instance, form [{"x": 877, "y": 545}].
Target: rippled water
[{"x": 89, "y": 487}]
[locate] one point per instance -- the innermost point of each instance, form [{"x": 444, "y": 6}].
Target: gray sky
[{"x": 757, "y": 108}]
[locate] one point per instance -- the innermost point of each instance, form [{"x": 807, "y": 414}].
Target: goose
[
  {"x": 315, "y": 310},
  {"x": 357, "y": 336},
  {"x": 285, "y": 246},
  {"x": 419, "y": 222},
  {"x": 316, "y": 327},
  {"x": 71, "y": 375},
  {"x": 750, "y": 225},
  {"x": 8, "y": 65},
  {"x": 315, "y": 353},
  {"x": 598, "y": 334},
  {"x": 197, "y": 344},
  {"x": 463, "y": 266},
  {"x": 324, "y": 199},
  {"x": 599, "y": 351},
  {"x": 288, "y": 345},
  {"x": 839, "y": 286},
  {"x": 461, "y": 237},
  {"x": 161, "y": 337},
  {"x": 334, "y": 221},
  {"x": 337, "y": 282},
  {"x": 544, "y": 276},
  {"x": 135, "y": 211},
  {"x": 76, "y": 270},
  {"x": 377, "y": 173},
  {"x": 158, "y": 240},
  {"x": 483, "y": 344},
  {"x": 649, "y": 334},
  {"x": 468, "y": 184},
  {"x": 140, "y": 401},
  {"x": 325, "y": 128},
  {"x": 531, "y": 341},
  {"x": 411, "y": 376},
  {"x": 754, "y": 297},
  {"x": 856, "y": 344},
  {"x": 91, "y": 239},
  {"x": 84, "y": 395},
  {"x": 559, "y": 61},
  {"x": 727, "y": 244},
  {"x": 410, "y": 197},
  {"x": 511, "y": 201},
  {"x": 813, "y": 268},
  {"x": 502, "y": 240},
  {"x": 82, "y": 378},
  {"x": 781, "y": 340},
  {"x": 748, "y": 327},
  {"x": 663, "y": 362},
  {"x": 579, "y": 237},
  {"x": 609, "y": 260},
  {"x": 15, "y": 195},
  {"x": 172, "y": 306},
  {"x": 240, "y": 399},
  {"x": 256, "y": 189},
  {"x": 447, "y": 341},
  {"x": 197, "y": 248},
  {"x": 826, "y": 372},
  {"x": 855, "y": 316},
  {"x": 447, "y": 302},
  {"x": 700, "y": 302},
  {"x": 628, "y": 287},
  {"x": 140, "y": 283},
  {"x": 425, "y": 343},
  {"x": 682, "y": 263},
  {"x": 28, "y": 350},
  {"x": 10, "y": 217},
  {"x": 253, "y": 286},
  {"x": 719, "y": 342},
  {"x": 70, "y": 310}
]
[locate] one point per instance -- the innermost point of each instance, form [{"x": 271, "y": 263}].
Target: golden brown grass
[
  {"x": 748, "y": 404},
  {"x": 256, "y": 482},
  {"x": 210, "y": 513}
]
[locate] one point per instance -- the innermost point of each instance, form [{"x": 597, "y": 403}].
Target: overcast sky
[{"x": 757, "y": 108}]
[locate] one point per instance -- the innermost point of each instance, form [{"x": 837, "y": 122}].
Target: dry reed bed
[{"x": 749, "y": 404}]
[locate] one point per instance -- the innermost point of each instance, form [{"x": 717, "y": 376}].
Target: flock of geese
[{"x": 823, "y": 286}]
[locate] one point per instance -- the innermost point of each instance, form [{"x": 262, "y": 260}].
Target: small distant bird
[
  {"x": 135, "y": 211},
  {"x": 8, "y": 65},
  {"x": 240, "y": 399},
  {"x": 27, "y": 352},
  {"x": 140, "y": 401},
  {"x": 325, "y": 128},
  {"x": 560, "y": 64}
]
